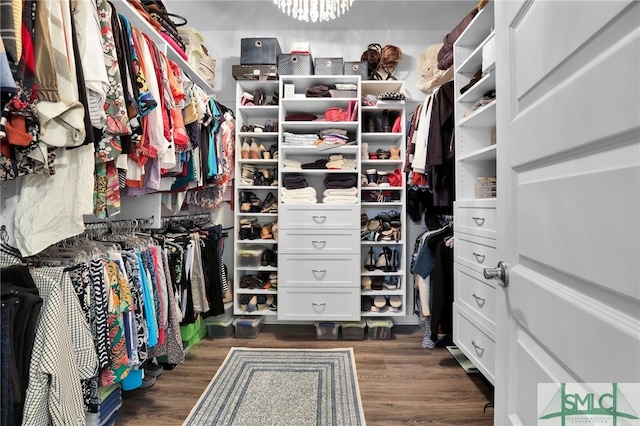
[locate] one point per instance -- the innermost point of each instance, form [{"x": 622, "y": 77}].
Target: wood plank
[{"x": 400, "y": 382}]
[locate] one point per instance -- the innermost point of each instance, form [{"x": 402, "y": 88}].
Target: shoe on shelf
[
  {"x": 369, "y": 264},
  {"x": 247, "y": 99},
  {"x": 394, "y": 153},
  {"x": 245, "y": 154},
  {"x": 147, "y": 381},
  {"x": 254, "y": 150}
]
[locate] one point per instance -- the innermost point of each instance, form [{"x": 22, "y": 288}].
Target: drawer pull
[
  {"x": 479, "y": 257},
  {"x": 318, "y": 304},
  {"x": 319, "y": 244},
  {"x": 478, "y": 220},
  {"x": 319, "y": 219},
  {"x": 318, "y": 307},
  {"x": 319, "y": 272},
  {"x": 479, "y": 299},
  {"x": 478, "y": 348}
]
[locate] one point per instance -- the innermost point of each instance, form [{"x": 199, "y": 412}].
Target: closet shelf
[
  {"x": 258, "y": 111},
  {"x": 379, "y": 273},
  {"x": 485, "y": 116},
  {"x": 323, "y": 149},
  {"x": 257, "y": 241},
  {"x": 478, "y": 29},
  {"x": 258, "y": 135},
  {"x": 474, "y": 61},
  {"x": 382, "y": 105},
  {"x": 124, "y": 8},
  {"x": 380, "y": 136},
  {"x": 258, "y": 269},
  {"x": 398, "y": 292},
  {"x": 482, "y": 86},
  {"x": 381, "y": 243},
  {"x": 383, "y": 188},
  {"x": 319, "y": 171},
  {"x": 259, "y": 162},
  {"x": 366, "y": 204},
  {"x": 381, "y": 162},
  {"x": 315, "y": 126},
  {"x": 255, "y": 291},
  {"x": 488, "y": 153},
  {"x": 248, "y": 188},
  {"x": 258, "y": 215},
  {"x": 400, "y": 313}
]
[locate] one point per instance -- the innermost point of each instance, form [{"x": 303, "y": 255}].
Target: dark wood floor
[{"x": 400, "y": 382}]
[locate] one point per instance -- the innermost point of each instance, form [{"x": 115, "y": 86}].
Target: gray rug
[{"x": 282, "y": 387}]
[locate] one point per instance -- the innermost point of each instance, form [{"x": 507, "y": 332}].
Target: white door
[{"x": 568, "y": 205}]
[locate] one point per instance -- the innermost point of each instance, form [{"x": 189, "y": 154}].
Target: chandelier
[{"x": 314, "y": 10}]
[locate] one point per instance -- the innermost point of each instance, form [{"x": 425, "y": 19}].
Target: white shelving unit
[
  {"x": 247, "y": 115},
  {"x": 371, "y": 143},
  {"x": 319, "y": 244},
  {"x": 475, "y": 218}
]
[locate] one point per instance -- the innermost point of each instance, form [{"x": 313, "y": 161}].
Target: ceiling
[{"x": 257, "y": 15}]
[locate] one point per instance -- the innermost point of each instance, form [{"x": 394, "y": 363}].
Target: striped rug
[{"x": 282, "y": 387}]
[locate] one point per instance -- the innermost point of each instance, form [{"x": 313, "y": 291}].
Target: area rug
[{"x": 282, "y": 387}]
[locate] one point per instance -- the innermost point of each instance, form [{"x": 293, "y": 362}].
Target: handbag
[
  {"x": 335, "y": 114},
  {"x": 159, "y": 13}
]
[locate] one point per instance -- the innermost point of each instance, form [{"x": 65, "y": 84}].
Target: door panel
[{"x": 569, "y": 206}]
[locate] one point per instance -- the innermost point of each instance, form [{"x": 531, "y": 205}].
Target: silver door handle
[
  {"x": 501, "y": 273},
  {"x": 319, "y": 272},
  {"x": 319, "y": 219}
]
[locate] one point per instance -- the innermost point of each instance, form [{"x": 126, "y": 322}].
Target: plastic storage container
[
  {"x": 250, "y": 257},
  {"x": 353, "y": 330},
  {"x": 379, "y": 329},
  {"x": 220, "y": 326},
  {"x": 248, "y": 328},
  {"x": 327, "y": 330}
]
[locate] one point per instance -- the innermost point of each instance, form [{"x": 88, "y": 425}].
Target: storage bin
[
  {"x": 254, "y": 72},
  {"x": 379, "y": 329},
  {"x": 357, "y": 68},
  {"x": 353, "y": 330},
  {"x": 250, "y": 257},
  {"x": 248, "y": 328},
  {"x": 220, "y": 326},
  {"x": 295, "y": 64},
  {"x": 329, "y": 66},
  {"x": 327, "y": 330},
  {"x": 259, "y": 51}
]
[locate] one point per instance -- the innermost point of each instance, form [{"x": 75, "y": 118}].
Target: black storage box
[
  {"x": 357, "y": 68},
  {"x": 329, "y": 66},
  {"x": 254, "y": 72},
  {"x": 295, "y": 64},
  {"x": 259, "y": 51}
]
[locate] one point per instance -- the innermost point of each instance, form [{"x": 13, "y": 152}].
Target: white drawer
[
  {"x": 319, "y": 216},
  {"x": 327, "y": 242},
  {"x": 318, "y": 304},
  {"x": 475, "y": 252},
  {"x": 318, "y": 270},
  {"x": 477, "y": 343},
  {"x": 476, "y": 294},
  {"x": 476, "y": 220}
]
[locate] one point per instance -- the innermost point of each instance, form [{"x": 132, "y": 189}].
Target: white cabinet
[
  {"x": 475, "y": 226},
  {"x": 255, "y": 193},
  {"x": 383, "y": 154},
  {"x": 318, "y": 243}
]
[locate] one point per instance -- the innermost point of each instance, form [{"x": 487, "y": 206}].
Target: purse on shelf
[
  {"x": 157, "y": 10},
  {"x": 335, "y": 114}
]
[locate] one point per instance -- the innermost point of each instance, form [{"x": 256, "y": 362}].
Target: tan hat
[{"x": 430, "y": 75}]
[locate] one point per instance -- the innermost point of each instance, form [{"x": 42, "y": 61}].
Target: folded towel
[
  {"x": 342, "y": 191},
  {"x": 294, "y": 163},
  {"x": 340, "y": 181},
  {"x": 318, "y": 164},
  {"x": 306, "y": 192},
  {"x": 349, "y": 164},
  {"x": 340, "y": 199},
  {"x": 335, "y": 164},
  {"x": 335, "y": 157}
]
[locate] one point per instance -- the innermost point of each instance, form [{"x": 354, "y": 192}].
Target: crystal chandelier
[{"x": 314, "y": 10}]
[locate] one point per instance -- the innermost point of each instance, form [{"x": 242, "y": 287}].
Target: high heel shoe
[
  {"x": 386, "y": 125},
  {"x": 254, "y": 150},
  {"x": 264, "y": 154},
  {"x": 383, "y": 261},
  {"x": 394, "y": 153},
  {"x": 369, "y": 264},
  {"x": 245, "y": 149},
  {"x": 393, "y": 267}
]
